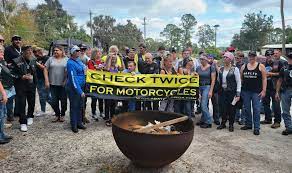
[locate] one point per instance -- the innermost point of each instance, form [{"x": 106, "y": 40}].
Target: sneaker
[
  {"x": 266, "y": 122},
  {"x": 200, "y": 123},
  {"x": 56, "y": 119},
  {"x": 286, "y": 132},
  {"x": 81, "y": 127},
  {"x": 245, "y": 128},
  {"x": 4, "y": 141},
  {"x": 62, "y": 119},
  {"x": 29, "y": 121},
  {"x": 222, "y": 126},
  {"x": 231, "y": 129},
  {"x": 276, "y": 125},
  {"x": 256, "y": 132},
  {"x": 93, "y": 115},
  {"x": 10, "y": 118},
  {"x": 217, "y": 123},
  {"x": 23, "y": 127},
  {"x": 86, "y": 120},
  {"x": 39, "y": 114},
  {"x": 7, "y": 125},
  {"x": 204, "y": 126}
]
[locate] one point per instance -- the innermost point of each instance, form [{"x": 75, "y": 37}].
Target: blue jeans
[
  {"x": 183, "y": 107},
  {"x": 44, "y": 94},
  {"x": 131, "y": 105},
  {"x": 286, "y": 97},
  {"x": 2, "y": 120},
  {"x": 206, "y": 117},
  {"x": 275, "y": 105},
  {"x": 76, "y": 103},
  {"x": 253, "y": 97}
]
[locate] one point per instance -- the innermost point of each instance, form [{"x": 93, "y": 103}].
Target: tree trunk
[{"x": 283, "y": 28}]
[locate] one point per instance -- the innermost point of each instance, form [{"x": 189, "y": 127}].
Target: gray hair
[
  {"x": 114, "y": 47},
  {"x": 94, "y": 52}
]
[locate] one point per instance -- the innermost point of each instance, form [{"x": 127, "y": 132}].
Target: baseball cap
[
  {"x": 269, "y": 52},
  {"x": 25, "y": 47},
  {"x": 74, "y": 49},
  {"x": 290, "y": 55},
  {"x": 15, "y": 37},
  {"x": 252, "y": 53},
  {"x": 211, "y": 56}
]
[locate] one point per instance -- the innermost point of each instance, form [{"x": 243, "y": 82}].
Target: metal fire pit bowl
[{"x": 151, "y": 150}]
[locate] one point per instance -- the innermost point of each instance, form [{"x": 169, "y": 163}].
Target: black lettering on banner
[
  {"x": 119, "y": 79},
  {"x": 128, "y": 79},
  {"x": 95, "y": 76},
  {"x": 166, "y": 79},
  {"x": 105, "y": 77},
  {"x": 181, "y": 80},
  {"x": 140, "y": 79},
  {"x": 154, "y": 78}
]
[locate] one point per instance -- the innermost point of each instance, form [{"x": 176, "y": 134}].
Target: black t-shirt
[
  {"x": 269, "y": 68},
  {"x": 5, "y": 76},
  {"x": 39, "y": 72},
  {"x": 286, "y": 75},
  {"x": 150, "y": 68},
  {"x": 11, "y": 53}
]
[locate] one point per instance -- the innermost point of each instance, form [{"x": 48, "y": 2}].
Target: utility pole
[
  {"x": 91, "y": 36},
  {"x": 216, "y": 26},
  {"x": 283, "y": 29},
  {"x": 144, "y": 28}
]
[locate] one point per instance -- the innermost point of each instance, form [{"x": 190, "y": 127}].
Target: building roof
[{"x": 276, "y": 46}]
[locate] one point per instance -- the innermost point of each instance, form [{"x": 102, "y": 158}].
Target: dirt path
[{"x": 52, "y": 147}]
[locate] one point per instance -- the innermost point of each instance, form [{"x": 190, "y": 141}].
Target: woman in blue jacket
[{"x": 75, "y": 86}]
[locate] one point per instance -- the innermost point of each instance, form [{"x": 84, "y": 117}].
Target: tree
[
  {"x": 188, "y": 22},
  {"x": 174, "y": 36},
  {"x": 126, "y": 35},
  {"x": 152, "y": 45},
  {"x": 206, "y": 36},
  {"x": 103, "y": 28},
  {"x": 254, "y": 31}
]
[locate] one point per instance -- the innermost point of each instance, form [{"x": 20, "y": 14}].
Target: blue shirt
[{"x": 76, "y": 75}]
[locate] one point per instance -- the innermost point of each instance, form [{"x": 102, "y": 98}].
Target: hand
[
  {"x": 47, "y": 84},
  {"x": 237, "y": 98},
  {"x": 195, "y": 74},
  {"x": 4, "y": 99},
  {"x": 25, "y": 77},
  {"x": 262, "y": 94},
  {"x": 133, "y": 73},
  {"x": 210, "y": 94},
  {"x": 83, "y": 95},
  {"x": 277, "y": 96}
]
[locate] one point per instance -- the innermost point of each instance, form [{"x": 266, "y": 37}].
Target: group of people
[{"x": 237, "y": 88}]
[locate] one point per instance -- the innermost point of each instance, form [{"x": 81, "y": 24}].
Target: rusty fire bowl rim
[{"x": 114, "y": 119}]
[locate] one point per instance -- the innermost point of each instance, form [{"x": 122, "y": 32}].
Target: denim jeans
[
  {"x": 286, "y": 97},
  {"x": 44, "y": 94},
  {"x": 58, "y": 95},
  {"x": 275, "y": 105},
  {"x": 2, "y": 120},
  {"x": 93, "y": 105},
  {"x": 206, "y": 117},
  {"x": 254, "y": 98},
  {"x": 183, "y": 107},
  {"x": 132, "y": 105},
  {"x": 76, "y": 103}
]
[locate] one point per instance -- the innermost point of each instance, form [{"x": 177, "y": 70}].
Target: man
[
  {"x": 1, "y": 40},
  {"x": 83, "y": 56},
  {"x": 140, "y": 57},
  {"x": 11, "y": 52},
  {"x": 278, "y": 57},
  {"x": 42, "y": 91},
  {"x": 285, "y": 80},
  {"x": 215, "y": 97},
  {"x": 24, "y": 71},
  {"x": 160, "y": 54},
  {"x": 174, "y": 56},
  {"x": 150, "y": 67}
]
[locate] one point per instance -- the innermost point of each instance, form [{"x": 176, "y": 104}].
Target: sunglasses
[
  {"x": 2, "y": 41},
  {"x": 77, "y": 50}
]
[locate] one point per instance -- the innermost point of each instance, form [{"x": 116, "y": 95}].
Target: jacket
[{"x": 76, "y": 75}]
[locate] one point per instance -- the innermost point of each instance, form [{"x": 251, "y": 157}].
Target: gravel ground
[{"x": 52, "y": 147}]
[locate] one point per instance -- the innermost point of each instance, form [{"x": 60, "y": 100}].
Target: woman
[
  {"x": 207, "y": 76},
  {"x": 3, "y": 137},
  {"x": 75, "y": 86},
  {"x": 254, "y": 84},
  {"x": 229, "y": 91},
  {"x": 168, "y": 69},
  {"x": 113, "y": 67},
  {"x": 185, "y": 106},
  {"x": 55, "y": 79},
  {"x": 96, "y": 63}
]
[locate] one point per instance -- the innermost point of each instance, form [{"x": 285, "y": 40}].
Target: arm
[
  {"x": 162, "y": 72},
  {"x": 122, "y": 63},
  {"x": 90, "y": 65},
  {"x": 264, "y": 80},
  {"x": 108, "y": 63},
  {"x": 213, "y": 78},
  {"x": 4, "y": 96},
  {"x": 238, "y": 81}
]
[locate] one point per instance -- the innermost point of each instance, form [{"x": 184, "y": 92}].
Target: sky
[{"x": 229, "y": 14}]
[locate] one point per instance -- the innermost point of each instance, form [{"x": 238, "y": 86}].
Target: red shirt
[{"x": 91, "y": 64}]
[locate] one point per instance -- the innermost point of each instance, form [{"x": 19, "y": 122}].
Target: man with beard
[{"x": 24, "y": 71}]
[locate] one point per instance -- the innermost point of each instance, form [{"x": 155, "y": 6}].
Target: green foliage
[
  {"x": 254, "y": 31},
  {"x": 206, "y": 36},
  {"x": 188, "y": 22},
  {"x": 174, "y": 35},
  {"x": 214, "y": 51}
]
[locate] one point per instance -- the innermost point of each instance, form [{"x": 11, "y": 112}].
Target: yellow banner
[{"x": 141, "y": 80}]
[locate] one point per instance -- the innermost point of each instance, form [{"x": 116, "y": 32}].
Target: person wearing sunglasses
[
  {"x": 229, "y": 90},
  {"x": 271, "y": 92},
  {"x": 55, "y": 73},
  {"x": 1, "y": 40}
]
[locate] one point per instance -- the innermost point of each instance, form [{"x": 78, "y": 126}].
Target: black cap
[
  {"x": 142, "y": 45},
  {"x": 252, "y": 53},
  {"x": 82, "y": 46},
  {"x": 15, "y": 37},
  {"x": 161, "y": 48},
  {"x": 290, "y": 55},
  {"x": 269, "y": 52},
  {"x": 172, "y": 50},
  {"x": 25, "y": 47}
]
